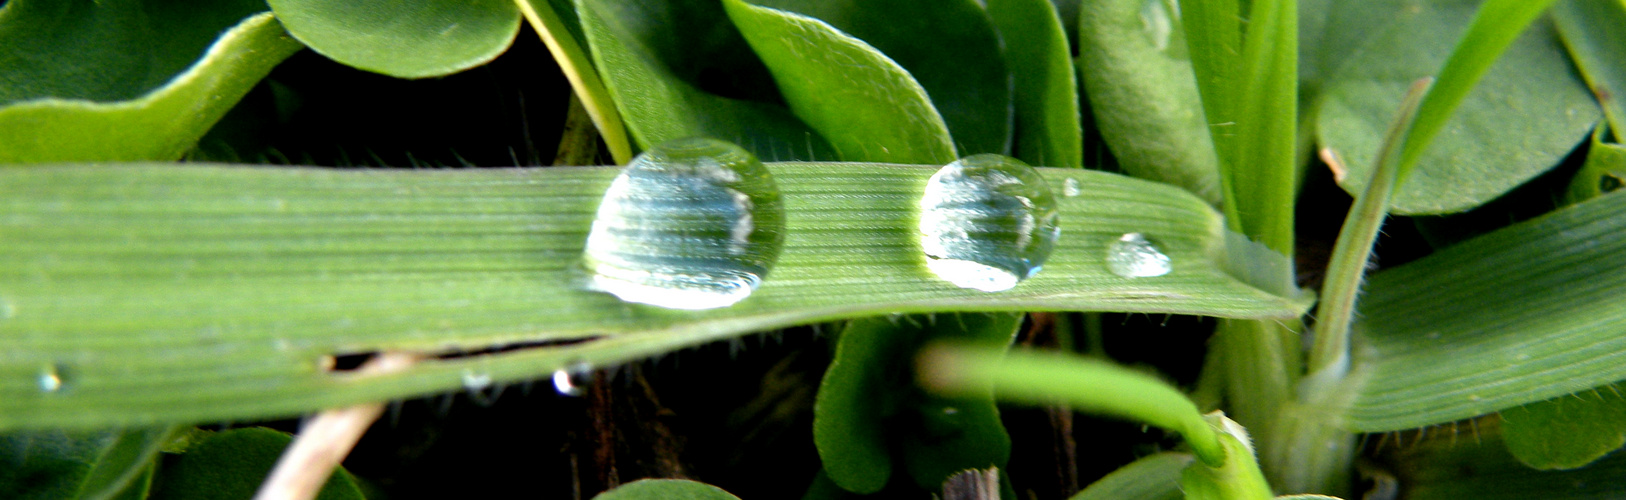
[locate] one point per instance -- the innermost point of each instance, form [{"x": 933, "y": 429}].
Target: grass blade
[
  {"x": 1523, "y": 314},
  {"x": 178, "y": 293},
  {"x": 570, "y": 53}
]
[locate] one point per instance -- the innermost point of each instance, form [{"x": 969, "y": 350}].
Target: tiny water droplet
[
  {"x": 50, "y": 379},
  {"x": 1071, "y": 187},
  {"x": 987, "y": 222},
  {"x": 476, "y": 381},
  {"x": 950, "y": 410},
  {"x": 572, "y": 380},
  {"x": 1132, "y": 256},
  {"x": 689, "y": 224}
]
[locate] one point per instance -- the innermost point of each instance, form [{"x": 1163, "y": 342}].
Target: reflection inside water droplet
[
  {"x": 1132, "y": 256},
  {"x": 476, "y": 381},
  {"x": 987, "y": 222},
  {"x": 573, "y": 380},
  {"x": 689, "y": 224}
]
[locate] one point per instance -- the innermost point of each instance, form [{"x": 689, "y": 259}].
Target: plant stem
[{"x": 324, "y": 442}]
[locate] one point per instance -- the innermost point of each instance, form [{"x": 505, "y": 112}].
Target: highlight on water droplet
[
  {"x": 476, "y": 381},
  {"x": 689, "y": 224},
  {"x": 50, "y": 379},
  {"x": 987, "y": 222},
  {"x": 1133, "y": 256},
  {"x": 572, "y": 380}
]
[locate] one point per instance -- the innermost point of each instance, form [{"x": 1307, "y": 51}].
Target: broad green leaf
[
  {"x": 1566, "y": 432},
  {"x": 414, "y": 40},
  {"x": 1525, "y": 313},
  {"x": 1083, "y": 383},
  {"x": 1139, "y": 79},
  {"x": 1529, "y": 110},
  {"x": 175, "y": 293},
  {"x": 556, "y": 22},
  {"x": 68, "y": 464},
  {"x": 869, "y": 108},
  {"x": 1152, "y": 477},
  {"x": 1591, "y": 31},
  {"x": 969, "y": 84},
  {"x": 1603, "y": 172},
  {"x": 84, "y": 82},
  {"x": 1048, "y": 128},
  {"x": 653, "y": 56},
  {"x": 869, "y": 412},
  {"x": 232, "y": 464},
  {"x": 666, "y": 489},
  {"x": 1470, "y": 461}
]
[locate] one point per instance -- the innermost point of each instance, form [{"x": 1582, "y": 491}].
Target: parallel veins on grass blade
[
  {"x": 987, "y": 222},
  {"x": 1132, "y": 256},
  {"x": 689, "y": 224}
]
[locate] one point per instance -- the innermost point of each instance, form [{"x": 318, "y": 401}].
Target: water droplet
[
  {"x": 1071, "y": 187},
  {"x": 689, "y": 224},
  {"x": 1132, "y": 256},
  {"x": 950, "y": 410},
  {"x": 476, "y": 381},
  {"x": 987, "y": 222},
  {"x": 572, "y": 380},
  {"x": 50, "y": 379}
]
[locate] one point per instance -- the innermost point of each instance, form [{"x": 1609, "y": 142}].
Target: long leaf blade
[{"x": 165, "y": 293}]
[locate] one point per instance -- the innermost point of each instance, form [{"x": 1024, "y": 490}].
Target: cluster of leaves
[{"x": 148, "y": 295}]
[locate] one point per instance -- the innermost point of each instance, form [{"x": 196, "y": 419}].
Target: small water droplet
[
  {"x": 950, "y": 410},
  {"x": 1132, "y": 256},
  {"x": 689, "y": 224},
  {"x": 50, "y": 379},
  {"x": 1071, "y": 187},
  {"x": 476, "y": 381},
  {"x": 987, "y": 222},
  {"x": 572, "y": 380}
]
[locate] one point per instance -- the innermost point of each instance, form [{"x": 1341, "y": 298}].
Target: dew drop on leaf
[
  {"x": 572, "y": 380},
  {"x": 1132, "y": 256},
  {"x": 1071, "y": 188},
  {"x": 50, "y": 379},
  {"x": 689, "y": 224},
  {"x": 987, "y": 222}
]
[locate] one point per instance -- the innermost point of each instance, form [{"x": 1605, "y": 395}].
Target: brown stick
[{"x": 324, "y": 442}]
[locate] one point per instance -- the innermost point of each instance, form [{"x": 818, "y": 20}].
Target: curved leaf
[
  {"x": 869, "y": 108},
  {"x": 111, "y": 93},
  {"x": 232, "y": 464},
  {"x": 1152, "y": 477},
  {"x": 1144, "y": 95},
  {"x": 1048, "y": 128},
  {"x": 161, "y": 292},
  {"x": 651, "y": 55},
  {"x": 1591, "y": 31},
  {"x": 1525, "y": 115},
  {"x": 82, "y": 465},
  {"x": 666, "y": 489},
  {"x": 1567, "y": 432},
  {"x": 408, "y": 40},
  {"x": 969, "y": 85}
]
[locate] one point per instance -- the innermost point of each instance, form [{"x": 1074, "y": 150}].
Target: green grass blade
[
  {"x": 1494, "y": 27},
  {"x": 1591, "y": 31},
  {"x": 1214, "y": 40},
  {"x": 1083, "y": 383},
  {"x": 1048, "y": 128},
  {"x": 1262, "y": 171},
  {"x": 174, "y": 293},
  {"x": 1526, "y": 313},
  {"x": 570, "y": 52}
]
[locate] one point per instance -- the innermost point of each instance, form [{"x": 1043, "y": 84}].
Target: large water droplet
[
  {"x": 689, "y": 224},
  {"x": 987, "y": 222},
  {"x": 572, "y": 380},
  {"x": 1132, "y": 256},
  {"x": 50, "y": 379}
]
